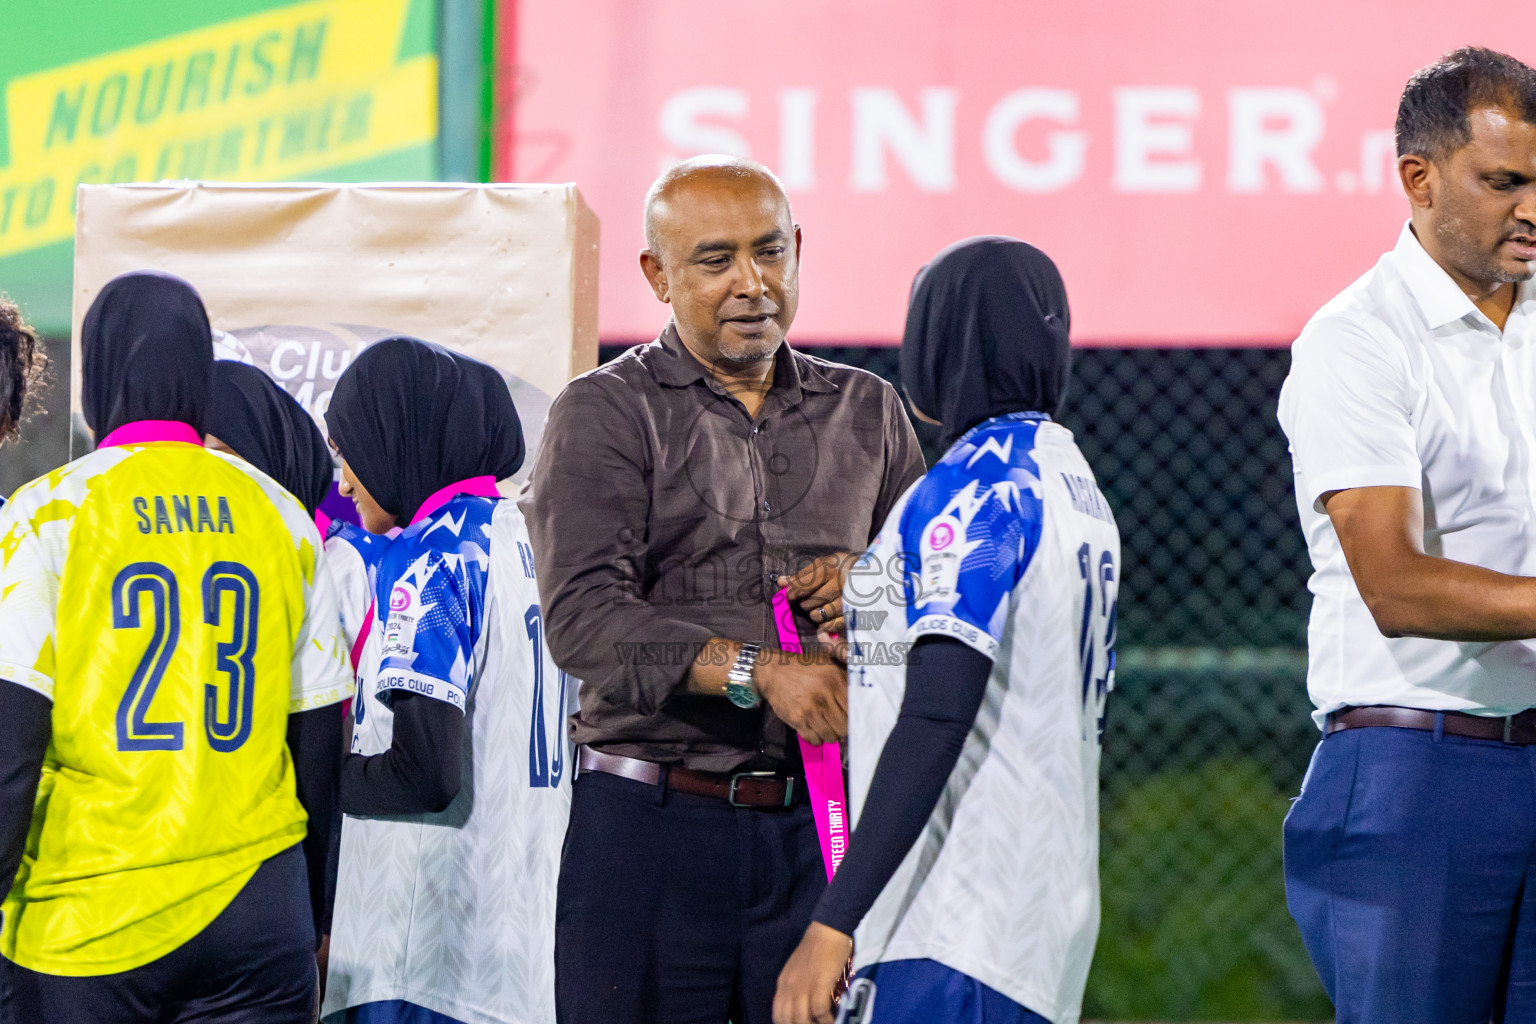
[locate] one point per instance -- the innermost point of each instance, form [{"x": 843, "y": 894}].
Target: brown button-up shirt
[{"x": 660, "y": 512}]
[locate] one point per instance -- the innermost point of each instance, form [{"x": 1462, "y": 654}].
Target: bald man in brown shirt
[{"x": 675, "y": 490}]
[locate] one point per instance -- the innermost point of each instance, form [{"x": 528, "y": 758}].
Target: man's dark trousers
[
  {"x": 678, "y": 909},
  {"x": 1409, "y": 864}
]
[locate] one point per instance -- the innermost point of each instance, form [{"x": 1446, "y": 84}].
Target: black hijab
[
  {"x": 271, "y": 431},
  {"x": 147, "y": 353},
  {"x": 986, "y": 334},
  {"x": 411, "y": 418}
]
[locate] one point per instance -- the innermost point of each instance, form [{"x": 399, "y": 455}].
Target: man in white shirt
[{"x": 1411, "y": 412}]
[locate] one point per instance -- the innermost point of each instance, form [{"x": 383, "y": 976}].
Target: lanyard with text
[{"x": 823, "y": 762}]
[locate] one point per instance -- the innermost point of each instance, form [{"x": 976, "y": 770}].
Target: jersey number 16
[{"x": 1096, "y": 642}]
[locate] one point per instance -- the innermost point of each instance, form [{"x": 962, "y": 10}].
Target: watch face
[{"x": 743, "y": 696}]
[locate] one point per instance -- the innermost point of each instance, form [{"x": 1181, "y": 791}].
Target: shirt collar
[
  {"x": 999, "y": 420},
  {"x": 1440, "y": 298},
  {"x": 676, "y": 366},
  {"x": 150, "y": 432}
]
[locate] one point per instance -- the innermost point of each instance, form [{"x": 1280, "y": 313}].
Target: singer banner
[
  {"x": 298, "y": 278},
  {"x": 1204, "y": 172}
]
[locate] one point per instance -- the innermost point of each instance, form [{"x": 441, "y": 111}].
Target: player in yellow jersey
[{"x": 172, "y": 672}]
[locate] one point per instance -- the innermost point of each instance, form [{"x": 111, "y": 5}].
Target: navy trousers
[
  {"x": 1409, "y": 863},
  {"x": 678, "y": 909},
  {"x": 255, "y": 964}
]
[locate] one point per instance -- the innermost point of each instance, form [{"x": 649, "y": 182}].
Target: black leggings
[{"x": 255, "y": 964}]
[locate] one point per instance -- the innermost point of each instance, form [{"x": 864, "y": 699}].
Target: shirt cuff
[
  {"x": 1318, "y": 484},
  {"x": 318, "y": 699},
  {"x": 653, "y": 671},
  {"x": 414, "y": 682},
  {"x": 31, "y": 678},
  {"x": 973, "y": 637}
]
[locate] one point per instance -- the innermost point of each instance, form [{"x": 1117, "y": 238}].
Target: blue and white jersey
[
  {"x": 352, "y": 554},
  {"x": 1008, "y": 546},
  {"x": 455, "y": 911}
]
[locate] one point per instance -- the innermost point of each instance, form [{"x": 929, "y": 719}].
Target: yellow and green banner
[{"x": 236, "y": 90}]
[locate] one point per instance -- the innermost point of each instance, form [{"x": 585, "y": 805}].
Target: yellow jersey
[{"x": 171, "y": 603}]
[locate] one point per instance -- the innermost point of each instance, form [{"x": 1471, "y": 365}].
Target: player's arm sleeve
[
  {"x": 429, "y": 640},
  {"x": 321, "y": 672},
  {"x": 966, "y": 570},
  {"x": 1347, "y": 409},
  {"x": 903, "y": 460},
  {"x": 29, "y": 599},
  {"x": 28, "y": 718},
  {"x": 315, "y": 743},
  {"x": 420, "y": 773},
  {"x": 946, "y": 681},
  {"x": 28, "y": 602},
  {"x": 320, "y": 680},
  {"x": 588, "y": 514},
  {"x": 333, "y": 852}
]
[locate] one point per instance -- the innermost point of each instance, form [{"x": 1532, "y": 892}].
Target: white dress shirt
[{"x": 1401, "y": 381}]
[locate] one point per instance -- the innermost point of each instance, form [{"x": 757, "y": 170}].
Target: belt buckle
[
  {"x": 789, "y": 786},
  {"x": 1524, "y": 736}
]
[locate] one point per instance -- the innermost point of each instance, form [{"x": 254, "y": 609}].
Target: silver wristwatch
[{"x": 738, "y": 682}]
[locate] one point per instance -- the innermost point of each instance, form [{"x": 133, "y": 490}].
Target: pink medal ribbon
[
  {"x": 823, "y": 762},
  {"x": 362, "y": 635}
]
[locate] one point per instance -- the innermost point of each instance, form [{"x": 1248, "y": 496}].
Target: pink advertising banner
[{"x": 1205, "y": 172}]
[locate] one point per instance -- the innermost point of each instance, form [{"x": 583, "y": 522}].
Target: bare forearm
[
  {"x": 1425, "y": 596},
  {"x": 1412, "y": 593}
]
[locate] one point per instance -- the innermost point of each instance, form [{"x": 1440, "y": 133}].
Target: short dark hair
[
  {"x": 22, "y": 361},
  {"x": 1432, "y": 116}
]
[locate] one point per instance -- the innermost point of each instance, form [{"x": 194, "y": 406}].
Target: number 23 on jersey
[{"x": 147, "y": 598}]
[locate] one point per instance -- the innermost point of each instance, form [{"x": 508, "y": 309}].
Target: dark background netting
[{"x": 1208, "y": 734}]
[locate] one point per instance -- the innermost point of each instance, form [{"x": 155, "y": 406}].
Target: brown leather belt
[
  {"x": 739, "y": 789},
  {"x": 1514, "y": 729}
]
